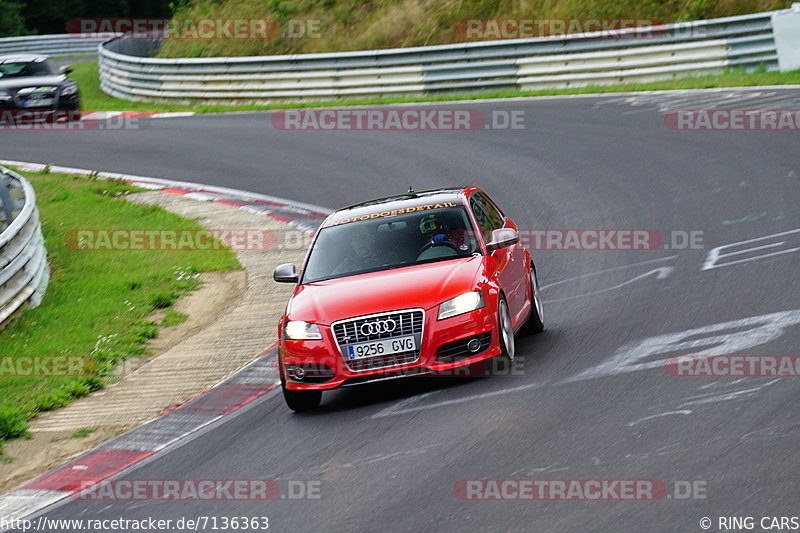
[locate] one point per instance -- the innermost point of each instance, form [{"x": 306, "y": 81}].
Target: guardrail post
[{"x": 786, "y": 27}]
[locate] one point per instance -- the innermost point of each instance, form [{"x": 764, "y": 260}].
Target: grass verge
[
  {"x": 98, "y": 302},
  {"x": 95, "y": 100}
]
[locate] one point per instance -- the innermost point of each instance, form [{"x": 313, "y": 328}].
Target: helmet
[{"x": 431, "y": 224}]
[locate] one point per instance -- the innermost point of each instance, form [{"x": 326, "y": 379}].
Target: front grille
[
  {"x": 350, "y": 332},
  {"x": 353, "y": 331}
]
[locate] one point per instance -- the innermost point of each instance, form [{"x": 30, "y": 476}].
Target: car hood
[
  {"x": 422, "y": 286},
  {"x": 31, "y": 81}
]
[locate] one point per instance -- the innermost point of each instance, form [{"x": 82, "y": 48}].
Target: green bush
[{"x": 13, "y": 423}]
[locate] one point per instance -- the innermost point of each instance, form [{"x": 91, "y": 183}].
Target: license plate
[
  {"x": 383, "y": 347},
  {"x": 40, "y": 102}
]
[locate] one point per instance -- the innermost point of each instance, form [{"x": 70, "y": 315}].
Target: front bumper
[
  {"x": 324, "y": 367},
  {"x": 14, "y": 109}
]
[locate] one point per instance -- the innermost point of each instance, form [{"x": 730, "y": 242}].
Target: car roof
[
  {"x": 433, "y": 198},
  {"x": 13, "y": 58}
]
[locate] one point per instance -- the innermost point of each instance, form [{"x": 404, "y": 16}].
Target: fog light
[
  {"x": 474, "y": 345},
  {"x": 299, "y": 372}
]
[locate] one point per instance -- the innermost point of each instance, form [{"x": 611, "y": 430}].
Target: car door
[
  {"x": 518, "y": 278},
  {"x": 489, "y": 219}
]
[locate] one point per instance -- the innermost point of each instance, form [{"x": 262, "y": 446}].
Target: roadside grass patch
[
  {"x": 98, "y": 302},
  {"x": 173, "y": 318}
]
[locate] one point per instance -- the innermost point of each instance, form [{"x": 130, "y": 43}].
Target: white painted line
[
  {"x": 668, "y": 413},
  {"x": 103, "y": 115},
  {"x": 724, "y": 397},
  {"x": 174, "y": 114},
  {"x": 202, "y": 196},
  {"x": 143, "y": 185},
  {"x": 714, "y": 255},
  {"x": 613, "y": 269},
  {"x": 662, "y": 273}
]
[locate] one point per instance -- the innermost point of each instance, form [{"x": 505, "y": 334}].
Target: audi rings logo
[{"x": 379, "y": 326}]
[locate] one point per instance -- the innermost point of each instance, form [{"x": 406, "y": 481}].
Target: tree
[
  {"x": 49, "y": 16},
  {"x": 11, "y": 21}
]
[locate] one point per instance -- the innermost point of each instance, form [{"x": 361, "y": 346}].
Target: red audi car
[{"x": 421, "y": 283}]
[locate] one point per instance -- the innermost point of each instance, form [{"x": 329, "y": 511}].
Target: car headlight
[
  {"x": 459, "y": 305},
  {"x": 69, "y": 90},
  {"x": 298, "y": 330},
  {"x": 5, "y": 96}
]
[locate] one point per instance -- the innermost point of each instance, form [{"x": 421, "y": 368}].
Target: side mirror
[
  {"x": 286, "y": 273},
  {"x": 503, "y": 238},
  {"x": 67, "y": 69}
]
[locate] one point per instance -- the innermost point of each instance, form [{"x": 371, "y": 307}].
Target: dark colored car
[{"x": 32, "y": 86}]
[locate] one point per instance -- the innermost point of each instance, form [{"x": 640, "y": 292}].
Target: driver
[{"x": 436, "y": 231}]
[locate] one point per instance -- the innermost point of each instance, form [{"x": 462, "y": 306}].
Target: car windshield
[
  {"x": 24, "y": 69},
  {"x": 391, "y": 242}
]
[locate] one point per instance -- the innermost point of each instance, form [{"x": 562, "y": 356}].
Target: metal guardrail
[
  {"x": 24, "y": 272},
  {"x": 62, "y": 45},
  {"x": 128, "y": 69}
]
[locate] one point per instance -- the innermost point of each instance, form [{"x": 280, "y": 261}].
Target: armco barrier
[
  {"x": 128, "y": 69},
  {"x": 52, "y": 45},
  {"x": 24, "y": 272}
]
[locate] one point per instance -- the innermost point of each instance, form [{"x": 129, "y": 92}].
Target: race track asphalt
[{"x": 594, "y": 399}]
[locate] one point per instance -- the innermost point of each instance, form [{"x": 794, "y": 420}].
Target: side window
[
  {"x": 484, "y": 222},
  {"x": 496, "y": 218},
  {"x": 51, "y": 67}
]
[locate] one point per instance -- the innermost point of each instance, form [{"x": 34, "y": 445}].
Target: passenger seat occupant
[{"x": 365, "y": 254}]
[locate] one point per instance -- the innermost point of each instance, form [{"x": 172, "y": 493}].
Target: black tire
[
  {"x": 535, "y": 322},
  {"x": 301, "y": 400}
]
